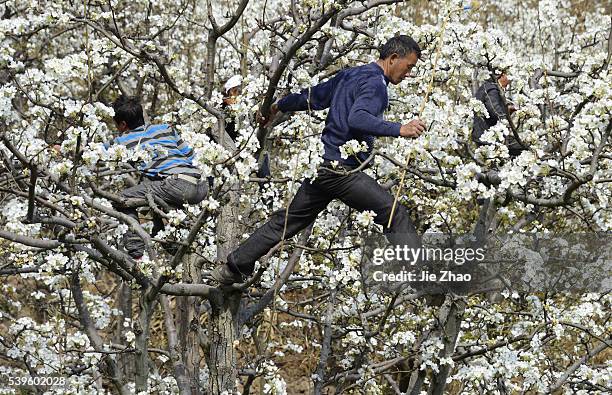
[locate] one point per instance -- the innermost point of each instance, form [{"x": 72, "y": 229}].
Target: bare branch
[
  {"x": 319, "y": 375},
  {"x": 280, "y": 281},
  {"x": 134, "y": 224},
  {"x": 113, "y": 78},
  {"x": 193, "y": 233},
  {"x": 177, "y": 361},
  {"x": 31, "y": 193},
  {"x": 219, "y": 31},
  {"x": 123, "y": 260},
  {"x": 186, "y": 289},
  {"x": 29, "y": 241},
  {"x": 18, "y": 270},
  {"x": 572, "y": 368},
  {"x": 359, "y": 10}
]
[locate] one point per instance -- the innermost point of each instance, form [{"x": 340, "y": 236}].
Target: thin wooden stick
[{"x": 421, "y": 109}]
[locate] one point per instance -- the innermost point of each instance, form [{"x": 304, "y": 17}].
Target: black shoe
[
  {"x": 171, "y": 248},
  {"x": 224, "y": 275}
]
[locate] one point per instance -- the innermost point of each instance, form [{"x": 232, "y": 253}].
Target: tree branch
[
  {"x": 177, "y": 360},
  {"x": 186, "y": 289},
  {"x": 257, "y": 308},
  {"x": 92, "y": 333},
  {"x": 572, "y": 368},
  {"x": 29, "y": 241}
]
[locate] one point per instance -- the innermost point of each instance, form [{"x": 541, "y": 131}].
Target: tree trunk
[
  {"x": 124, "y": 305},
  {"x": 450, "y": 331},
  {"x": 189, "y": 324},
  {"x": 222, "y": 334},
  {"x": 141, "y": 331},
  {"x": 222, "y": 327}
]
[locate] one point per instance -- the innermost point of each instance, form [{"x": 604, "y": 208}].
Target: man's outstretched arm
[
  {"x": 317, "y": 97},
  {"x": 370, "y": 101}
]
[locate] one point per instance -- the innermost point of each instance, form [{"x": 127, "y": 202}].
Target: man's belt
[
  {"x": 190, "y": 179},
  {"x": 340, "y": 166}
]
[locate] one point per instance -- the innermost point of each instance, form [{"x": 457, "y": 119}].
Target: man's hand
[
  {"x": 264, "y": 121},
  {"x": 511, "y": 108},
  {"x": 412, "y": 129}
]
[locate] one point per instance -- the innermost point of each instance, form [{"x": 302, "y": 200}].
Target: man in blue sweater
[{"x": 356, "y": 98}]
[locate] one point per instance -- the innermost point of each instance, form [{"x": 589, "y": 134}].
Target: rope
[{"x": 421, "y": 109}]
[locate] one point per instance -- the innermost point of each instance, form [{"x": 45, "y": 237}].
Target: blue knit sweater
[{"x": 356, "y": 98}]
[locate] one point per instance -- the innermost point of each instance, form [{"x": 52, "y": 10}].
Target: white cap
[{"x": 232, "y": 83}]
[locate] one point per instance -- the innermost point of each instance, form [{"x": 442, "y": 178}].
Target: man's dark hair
[
  {"x": 128, "y": 109},
  {"x": 401, "y": 45}
]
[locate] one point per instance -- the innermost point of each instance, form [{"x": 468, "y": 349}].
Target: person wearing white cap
[{"x": 231, "y": 89}]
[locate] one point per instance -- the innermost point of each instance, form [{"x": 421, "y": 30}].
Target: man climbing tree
[
  {"x": 491, "y": 94},
  {"x": 356, "y": 98},
  {"x": 170, "y": 175}
]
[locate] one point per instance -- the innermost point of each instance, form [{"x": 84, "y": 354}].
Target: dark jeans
[
  {"x": 171, "y": 190},
  {"x": 357, "y": 190}
]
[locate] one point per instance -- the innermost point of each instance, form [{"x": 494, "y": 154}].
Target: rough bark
[
  {"x": 450, "y": 332},
  {"x": 222, "y": 334},
  {"x": 221, "y": 358},
  {"x": 141, "y": 343},
  {"x": 124, "y": 305},
  {"x": 189, "y": 324}
]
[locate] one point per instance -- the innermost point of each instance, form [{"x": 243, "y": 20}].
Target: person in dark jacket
[
  {"x": 356, "y": 98},
  {"x": 492, "y": 95}
]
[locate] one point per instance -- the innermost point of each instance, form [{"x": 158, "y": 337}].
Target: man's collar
[
  {"x": 379, "y": 67},
  {"x": 136, "y": 129},
  {"x": 139, "y": 128}
]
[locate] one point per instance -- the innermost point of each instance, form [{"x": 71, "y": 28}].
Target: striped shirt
[{"x": 173, "y": 157}]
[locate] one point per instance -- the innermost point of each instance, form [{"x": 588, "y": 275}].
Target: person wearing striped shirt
[{"x": 169, "y": 175}]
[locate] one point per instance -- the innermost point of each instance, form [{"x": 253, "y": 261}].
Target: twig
[
  {"x": 31, "y": 193},
  {"x": 29, "y": 241},
  {"x": 570, "y": 370}
]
